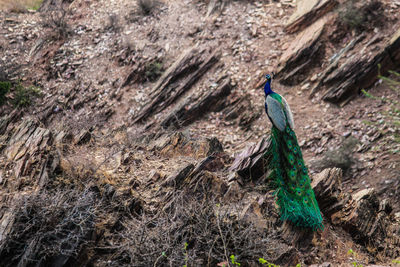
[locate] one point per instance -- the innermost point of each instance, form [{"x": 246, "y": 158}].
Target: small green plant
[
  {"x": 153, "y": 71},
  {"x": 350, "y": 252},
  {"x": 396, "y": 261},
  {"x": 185, "y": 252},
  {"x": 266, "y": 263},
  {"x": 233, "y": 260},
  {"x": 4, "y": 89},
  {"x": 23, "y": 95}
]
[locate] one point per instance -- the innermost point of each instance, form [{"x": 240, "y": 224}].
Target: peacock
[{"x": 288, "y": 174}]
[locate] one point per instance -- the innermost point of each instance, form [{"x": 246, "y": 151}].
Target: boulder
[
  {"x": 303, "y": 53},
  {"x": 307, "y": 12}
]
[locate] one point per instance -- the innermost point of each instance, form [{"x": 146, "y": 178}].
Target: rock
[
  {"x": 254, "y": 30},
  {"x": 178, "y": 79},
  {"x": 190, "y": 110},
  {"x": 4, "y": 121},
  {"x": 314, "y": 78},
  {"x": 234, "y": 192},
  {"x": 327, "y": 189},
  {"x": 305, "y": 86},
  {"x": 250, "y": 163},
  {"x": 307, "y": 12},
  {"x": 215, "y": 5},
  {"x": 340, "y": 157},
  {"x": 28, "y": 147},
  {"x": 302, "y": 54},
  {"x": 358, "y": 71},
  {"x": 31, "y": 162},
  {"x": 83, "y": 137},
  {"x": 397, "y": 216},
  {"x": 362, "y": 219},
  {"x": 62, "y": 138},
  {"x": 241, "y": 112},
  {"x": 325, "y": 264},
  {"x": 361, "y": 214},
  {"x": 211, "y": 163},
  {"x": 180, "y": 144}
]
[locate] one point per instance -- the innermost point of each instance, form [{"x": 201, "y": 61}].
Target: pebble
[{"x": 306, "y": 86}]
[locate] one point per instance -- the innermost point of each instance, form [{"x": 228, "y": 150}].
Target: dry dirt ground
[
  {"x": 90, "y": 50},
  {"x": 106, "y": 38}
]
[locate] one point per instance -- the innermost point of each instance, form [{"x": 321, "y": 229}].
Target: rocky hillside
[{"x": 132, "y": 132}]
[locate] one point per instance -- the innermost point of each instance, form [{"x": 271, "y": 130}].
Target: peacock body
[{"x": 288, "y": 173}]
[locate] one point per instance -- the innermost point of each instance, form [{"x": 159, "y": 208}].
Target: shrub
[
  {"x": 362, "y": 16},
  {"x": 56, "y": 20},
  {"x": 194, "y": 230},
  {"x": 49, "y": 227},
  {"x": 153, "y": 71},
  {"x": 23, "y": 95},
  {"x": 146, "y": 6},
  {"x": 4, "y": 89},
  {"x": 351, "y": 16}
]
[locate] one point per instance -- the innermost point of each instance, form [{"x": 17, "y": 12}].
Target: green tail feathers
[{"x": 291, "y": 182}]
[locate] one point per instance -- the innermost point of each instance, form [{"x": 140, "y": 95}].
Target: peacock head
[{"x": 267, "y": 87}]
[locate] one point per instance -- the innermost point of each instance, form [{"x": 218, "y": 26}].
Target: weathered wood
[
  {"x": 178, "y": 79},
  {"x": 194, "y": 109},
  {"x": 307, "y": 12}
]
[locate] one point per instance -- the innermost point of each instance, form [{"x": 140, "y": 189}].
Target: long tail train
[{"x": 289, "y": 177}]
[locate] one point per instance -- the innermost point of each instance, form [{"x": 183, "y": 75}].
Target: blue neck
[{"x": 267, "y": 88}]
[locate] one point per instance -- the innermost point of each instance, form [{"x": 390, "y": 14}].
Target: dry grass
[
  {"x": 193, "y": 229},
  {"x": 53, "y": 226},
  {"x": 19, "y": 5},
  {"x": 56, "y": 20}
]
